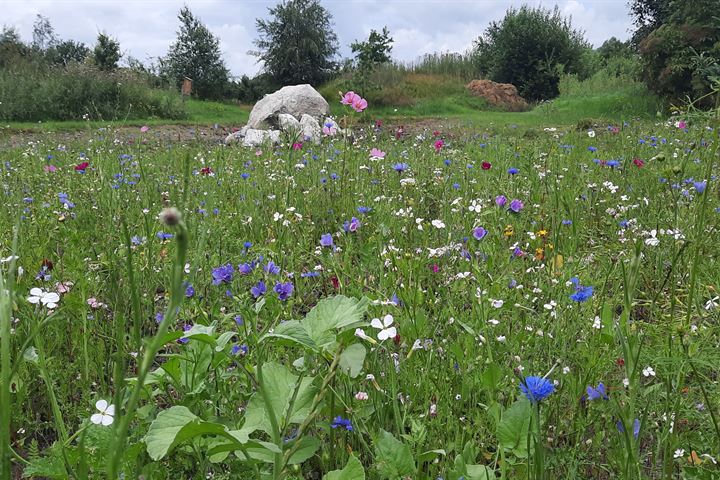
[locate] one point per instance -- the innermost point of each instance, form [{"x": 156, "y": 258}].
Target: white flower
[
  {"x": 106, "y": 415},
  {"x": 386, "y": 330},
  {"x": 497, "y": 303},
  {"x": 597, "y": 323},
  {"x": 438, "y": 224},
  {"x": 591, "y": 133},
  {"x": 626, "y": 382},
  {"x": 9, "y": 259},
  {"x": 566, "y": 370},
  {"x": 501, "y": 339},
  {"x": 712, "y": 303},
  {"x": 48, "y": 299},
  {"x": 360, "y": 333},
  {"x": 648, "y": 372},
  {"x": 679, "y": 453}
]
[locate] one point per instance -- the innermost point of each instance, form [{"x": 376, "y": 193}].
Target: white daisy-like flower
[
  {"x": 385, "y": 327},
  {"x": 679, "y": 453},
  {"x": 106, "y": 415},
  {"x": 648, "y": 372},
  {"x": 591, "y": 133},
  {"x": 438, "y": 224},
  {"x": 48, "y": 299}
]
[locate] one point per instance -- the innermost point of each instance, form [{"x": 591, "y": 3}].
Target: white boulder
[{"x": 295, "y": 100}]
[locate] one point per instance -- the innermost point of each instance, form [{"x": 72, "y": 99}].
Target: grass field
[{"x": 457, "y": 303}]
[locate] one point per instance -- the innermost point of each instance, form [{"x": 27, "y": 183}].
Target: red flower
[
  {"x": 436, "y": 133},
  {"x": 206, "y": 171},
  {"x": 378, "y": 123},
  {"x": 638, "y": 163},
  {"x": 335, "y": 282},
  {"x": 486, "y": 165},
  {"x": 397, "y": 339},
  {"x": 80, "y": 167},
  {"x": 620, "y": 362},
  {"x": 400, "y": 132},
  {"x": 435, "y": 268}
]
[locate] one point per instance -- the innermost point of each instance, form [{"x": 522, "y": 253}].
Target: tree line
[{"x": 675, "y": 50}]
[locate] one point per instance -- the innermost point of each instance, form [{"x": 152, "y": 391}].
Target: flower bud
[{"x": 170, "y": 216}]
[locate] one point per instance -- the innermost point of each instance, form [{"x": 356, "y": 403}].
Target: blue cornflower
[
  {"x": 239, "y": 320},
  {"x": 43, "y": 274},
  {"x": 310, "y": 274},
  {"x": 400, "y": 167},
  {"x": 284, "y": 290},
  {"x": 334, "y": 176},
  {"x": 456, "y": 186},
  {"x": 137, "y": 240},
  {"x": 241, "y": 350},
  {"x": 582, "y": 293},
  {"x": 613, "y": 163},
  {"x": 592, "y": 149},
  {"x": 513, "y": 171},
  {"x": 27, "y": 200},
  {"x": 598, "y": 393},
  {"x": 247, "y": 245},
  {"x": 244, "y": 176},
  {"x": 159, "y": 317},
  {"x": 164, "y": 236},
  {"x": 536, "y": 389},
  {"x": 447, "y": 162},
  {"x": 259, "y": 289},
  {"x": 342, "y": 422},
  {"x": 363, "y": 210},
  {"x": 223, "y": 274},
  {"x": 700, "y": 186},
  {"x": 567, "y": 222}
]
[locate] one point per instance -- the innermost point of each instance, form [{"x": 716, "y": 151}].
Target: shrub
[
  {"x": 531, "y": 48},
  {"x": 32, "y": 92}
]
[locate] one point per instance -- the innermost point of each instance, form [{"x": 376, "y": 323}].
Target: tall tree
[
  {"x": 196, "y": 55},
  {"x": 297, "y": 44},
  {"x": 106, "y": 53},
  {"x": 43, "y": 34}
]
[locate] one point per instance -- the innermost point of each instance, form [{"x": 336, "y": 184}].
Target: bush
[
  {"x": 530, "y": 48},
  {"x": 32, "y": 92}
]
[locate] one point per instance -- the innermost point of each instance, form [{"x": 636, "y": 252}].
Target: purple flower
[
  {"x": 185, "y": 329},
  {"x": 310, "y": 274},
  {"x": 284, "y": 290},
  {"x": 164, "y": 236},
  {"x": 342, "y": 422},
  {"x": 500, "y": 200},
  {"x": 223, "y": 274},
  {"x": 352, "y": 225},
  {"x": 479, "y": 233},
  {"x": 326, "y": 240},
  {"x": 582, "y": 293},
  {"x": 516, "y": 205},
  {"x": 189, "y": 291},
  {"x": 241, "y": 350},
  {"x": 700, "y": 186},
  {"x": 597, "y": 393},
  {"x": 259, "y": 289},
  {"x": 271, "y": 268},
  {"x": 636, "y": 427},
  {"x": 401, "y": 167},
  {"x": 239, "y": 320},
  {"x": 245, "y": 268}
]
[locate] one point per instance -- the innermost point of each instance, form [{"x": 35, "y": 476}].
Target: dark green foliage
[
  {"x": 250, "y": 90},
  {"x": 373, "y": 51},
  {"x": 106, "y": 53},
  {"x": 297, "y": 45},
  {"x": 531, "y": 48},
  {"x": 612, "y": 48},
  {"x": 68, "y": 51},
  {"x": 196, "y": 55},
  {"x": 12, "y": 49},
  {"x": 681, "y": 54}
]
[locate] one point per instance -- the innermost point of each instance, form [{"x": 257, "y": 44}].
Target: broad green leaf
[
  {"x": 479, "y": 472},
  {"x": 352, "y": 358},
  {"x": 353, "y": 471},
  {"x": 202, "y": 333},
  {"x": 31, "y": 355},
  {"x": 491, "y": 377},
  {"x": 430, "y": 455},
  {"x": 513, "y": 429},
  {"x": 174, "y": 426},
  {"x": 279, "y": 384},
  {"x": 223, "y": 339},
  {"x": 308, "y": 447},
  {"x": 332, "y": 314},
  {"x": 392, "y": 457},
  {"x": 294, "y": 331}
]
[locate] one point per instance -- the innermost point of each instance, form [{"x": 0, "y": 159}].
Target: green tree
[
  {"x": 679, "y": 43},
  {"x": 67, "y": 52},
  {"x": 297, "y": 45},
  {"x": 374, "y": 51},
  {"x": 531, "y": 48},
  {"x": 43, "y": 34},
  {"x": 196, "y": 55},
  {"x": 106, "y": 53}
]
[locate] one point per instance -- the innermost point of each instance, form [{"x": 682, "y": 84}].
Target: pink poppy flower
[
  {"x": 144, "y": 128},
  {"x": 354, "y": 100}
]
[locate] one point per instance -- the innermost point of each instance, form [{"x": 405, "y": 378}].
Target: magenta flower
[
  {"x": 377, "y": 153},
  {"x": 144, "y": 128},
  {"x": 500, "y": 200},
  {"x": 439, "y": 144}
]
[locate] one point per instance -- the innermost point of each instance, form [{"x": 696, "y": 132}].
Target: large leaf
[
  {"x": 279, "y": 385},
  {"x": 392, "y": 457},
  {"x": 308, "y": 447},
  {"x": 352, "y": 471},
  {"x": 352, "y": 358},
  {"x": 331, "y": 314},
  {"x": 174, "y": 426},
  {"x": 513, "y": 429},
  {"x": 294, "y": 331},
  {"x": 479, "y": 472}
]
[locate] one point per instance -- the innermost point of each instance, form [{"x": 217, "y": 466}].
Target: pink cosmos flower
[
  {"x": 377, "y": 153},
  {"x": 297, "y": 146},
  {"x": 50, "y": 168},
  {"x": 354, "y": 100},
  {"x": 681, "y": 124},
  {"x": 144, "y": 128},
  {"x": 439, "y": 144}
]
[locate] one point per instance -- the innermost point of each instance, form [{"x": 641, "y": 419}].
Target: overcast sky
[{"x": 146, "y": 28}]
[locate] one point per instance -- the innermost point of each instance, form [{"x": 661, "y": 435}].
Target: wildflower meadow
[{"x": 457, "y": 301}]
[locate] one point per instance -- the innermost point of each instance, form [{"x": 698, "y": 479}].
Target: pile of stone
[{"x": 293, "y": 112}]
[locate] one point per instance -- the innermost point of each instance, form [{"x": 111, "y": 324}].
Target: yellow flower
[
  {"x": 542, "y": 233},
  {"x": 509, "y": 231}
]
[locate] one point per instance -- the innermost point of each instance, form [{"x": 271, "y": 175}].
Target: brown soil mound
[{"x": 503, "y": 95}]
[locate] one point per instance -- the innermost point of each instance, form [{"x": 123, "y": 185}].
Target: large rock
[
  {"x": 295, "y": 100},
  {"x": 311, "y": 130},
  {"x": 255, "y": 138},
  {"x": 288, "y": 123},
  {"x": 503, "y": 95}
]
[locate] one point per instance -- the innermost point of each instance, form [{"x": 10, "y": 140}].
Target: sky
[{"x": 146, "y": 28}]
